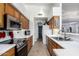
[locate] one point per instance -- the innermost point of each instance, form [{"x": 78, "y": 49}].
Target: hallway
[{"x": 39, "y": 49}]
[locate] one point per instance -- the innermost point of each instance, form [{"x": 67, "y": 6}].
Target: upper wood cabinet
[
  {"x": 50, "y": 24},
  {"x": 24, "y": 22},
  {"x": 1, "y": 15},
  {"x": 17, "y": 14},
  {"x": 27, "y": 24},
  {"x": 53, "y": 22},
  {"x": 6, "y": 8},
  {"x": 9, "y": 9},
  {"x": 1, "y": 8}
]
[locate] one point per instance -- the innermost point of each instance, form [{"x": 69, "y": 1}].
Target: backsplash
[
  {"x": 6, "y": 37},
  {"x": 19, "y": 34}
]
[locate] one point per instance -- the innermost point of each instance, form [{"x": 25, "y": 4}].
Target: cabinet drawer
[{"x": 11, "y": 52}]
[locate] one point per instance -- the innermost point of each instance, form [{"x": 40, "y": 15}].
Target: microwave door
[{"x": 12, "y": 23}]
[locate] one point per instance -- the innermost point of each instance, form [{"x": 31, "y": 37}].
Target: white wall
[
  {"x": 74, "y": 25},
  {"x": 56, "y": 11}
]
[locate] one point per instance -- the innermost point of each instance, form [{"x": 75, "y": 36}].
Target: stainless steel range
[{"x": 21, "y": 47}]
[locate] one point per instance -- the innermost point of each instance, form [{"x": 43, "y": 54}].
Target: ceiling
[
  {"x": 70, "y": 6},
  {"x": 43, "y": 4},
  {"x": 39, "y": 8},
  {"x": 70, "y": 12}
]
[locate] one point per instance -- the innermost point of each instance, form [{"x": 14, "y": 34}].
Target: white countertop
[
  {"x": 66, "y": 44},
  {"x": 5, "y": 47},
  {"x": 66, "y": 52},
  {"x": 28, "y": 36}
]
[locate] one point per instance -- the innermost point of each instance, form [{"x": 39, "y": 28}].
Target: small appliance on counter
[{"x": 27, "y": 32}]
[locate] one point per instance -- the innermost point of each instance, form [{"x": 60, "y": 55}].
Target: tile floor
[{"x": 39, "y": 49}]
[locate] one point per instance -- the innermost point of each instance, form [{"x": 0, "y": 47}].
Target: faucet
[{"x": 66, "y": 37}]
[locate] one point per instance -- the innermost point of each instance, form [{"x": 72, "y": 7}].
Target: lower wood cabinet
[
  {"x": 52, "y": 45},
  {"x": 29, "y": 44},
  {"x": 10, "y": 52}
]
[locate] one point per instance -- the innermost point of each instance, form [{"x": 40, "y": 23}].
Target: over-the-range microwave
[{"x": 11, "y": 22}]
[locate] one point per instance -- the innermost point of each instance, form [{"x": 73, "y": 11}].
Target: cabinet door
[
  {"x": 1, "y": 15},
  {"x": 9, "y": 9},
  {"x": 24, "y": 23},
  {"x": 17, "y": 14},
  {"x": 29, "y": 43},
  {"x": 55, "y": 21},
  {"x": 27, "y": 24}
]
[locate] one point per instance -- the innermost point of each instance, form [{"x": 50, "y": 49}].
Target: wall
[
  {"x": 73, "y": 25},
  {"x": 46, "y": 31}
]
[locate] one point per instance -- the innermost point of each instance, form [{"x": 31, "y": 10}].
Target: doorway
[{"x": 39, "y": 31}]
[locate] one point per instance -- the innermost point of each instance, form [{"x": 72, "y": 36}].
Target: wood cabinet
[
  {"x": 1, "y": 15},
  {"x": 17, "y": 14},
  {"x": 24, "y": 23},
  {"x": 6, "y": 8},
  {"x": 52, "y": 45},
  {"x": 27, "y": 24},
  {"x": 10, "y": 52},
  {"x": 52, "y": 22},
  {"x": 29, "y": 44},
  {"x": 9, "y": 9}
]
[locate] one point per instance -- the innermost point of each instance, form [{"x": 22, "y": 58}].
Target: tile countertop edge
[{"x": 6, "y": 47}]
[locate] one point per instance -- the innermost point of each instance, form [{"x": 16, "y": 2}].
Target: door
[{"x": 40, "y": 33}]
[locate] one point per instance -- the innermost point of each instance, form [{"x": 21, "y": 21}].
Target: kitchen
[{"x": 39, "y": 29}]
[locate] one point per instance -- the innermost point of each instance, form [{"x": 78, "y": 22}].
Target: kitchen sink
[{"x": 62, "y": 39}]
